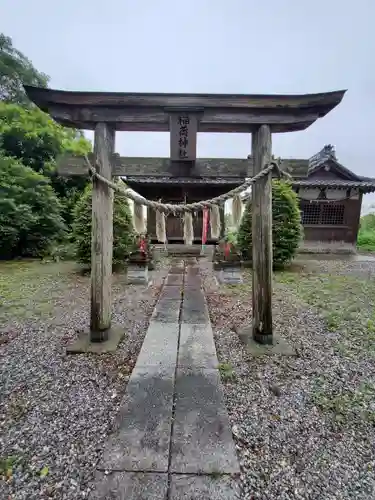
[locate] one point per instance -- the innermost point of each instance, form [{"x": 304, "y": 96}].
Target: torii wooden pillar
[
  {"x": 102, "y": 235},
  {"x": 261, "y": 151},
  {"x": 104, "y": 113}
]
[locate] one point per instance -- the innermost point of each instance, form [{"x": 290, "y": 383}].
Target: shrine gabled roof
[
  {"x": 225, "y": 171},
  {"x": 365, "y": 184},
  {"x": 233, "y": 172},
  {"x": 326, "y": 157}
]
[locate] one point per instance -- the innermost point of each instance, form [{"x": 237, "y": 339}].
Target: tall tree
[
  {"x": 35, "y": 139},
  {"x": 16, "y": 69}
]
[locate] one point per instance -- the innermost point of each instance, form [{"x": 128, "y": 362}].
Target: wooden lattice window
[
  {"x": 333, "y": 214},
  {"x": 310, "y": 213},
  {"x": 327, "y": 214}
]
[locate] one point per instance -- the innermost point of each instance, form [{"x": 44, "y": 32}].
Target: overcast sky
[{"x": 226, "y": 46}]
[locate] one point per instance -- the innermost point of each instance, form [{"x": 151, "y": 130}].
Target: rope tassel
[
  {"x": 138, "y": 219},
  {"x": 215, "y": 222},
  {"x": 160, "y": 227},
  {"x": 236, "y": 210},
  {"x": 188, "y": 228}
]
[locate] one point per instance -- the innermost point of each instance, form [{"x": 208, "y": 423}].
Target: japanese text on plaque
[{"x": 183, "y": 136}]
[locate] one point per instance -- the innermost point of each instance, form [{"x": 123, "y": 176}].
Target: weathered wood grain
[
  {"x": 262, "y": 239},
  {"x": 102, "y": 236},
  {"x": 156, "y": 120},
  {"x": 68, "y": 165},
  {"x": 150, "y": 112},
  {"x": 145, "y": 167},
  {"x": 44, "y": 96}
]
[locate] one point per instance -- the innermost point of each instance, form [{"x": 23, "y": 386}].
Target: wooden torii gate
[{"x": 183, "y": 115}]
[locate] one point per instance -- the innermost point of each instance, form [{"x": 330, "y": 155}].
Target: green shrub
[
  {"x": 286, "y": 225},
  {"x": 30, "y": 220},
  {"x": 231, "y": 236},
  {"x": 123, "y": 231},
  {"x": 366, "y": 239},
  {"x": 64, "y": 250},
  {"x": 368, "y": 222}
]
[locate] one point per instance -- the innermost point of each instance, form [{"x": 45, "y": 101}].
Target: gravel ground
[
  {"x": 304, "y": 426},
  {"x": 57, "y": 410}
]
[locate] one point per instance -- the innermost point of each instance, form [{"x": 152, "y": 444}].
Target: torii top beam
[{"x": 150, "y": 112}]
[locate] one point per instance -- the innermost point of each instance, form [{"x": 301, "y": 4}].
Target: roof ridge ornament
[{"x": 326, "y": 153}]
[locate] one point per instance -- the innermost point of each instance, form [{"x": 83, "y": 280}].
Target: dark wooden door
[{"x": 175, "y": 227}]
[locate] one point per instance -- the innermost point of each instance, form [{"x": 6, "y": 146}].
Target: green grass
[
  {"x": 347, "y": 305},
  {"x": 345, "y": 302},
  {"x": 29, "y": 288},
  {"x": 226, "y": 372},
  {"x": 366, "y": 234},
  {"x": 347, "y": 405}
]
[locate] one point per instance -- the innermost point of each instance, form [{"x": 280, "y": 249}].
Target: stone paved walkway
[{"x": 173, "y": 439}]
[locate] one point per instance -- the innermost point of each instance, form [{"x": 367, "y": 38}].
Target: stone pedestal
[
  {"x": 222, "y": 262},
  {"x": 138, "y": 274},
  {"x": 279, "y": 345},
  {"x": 231, "y": 276}
]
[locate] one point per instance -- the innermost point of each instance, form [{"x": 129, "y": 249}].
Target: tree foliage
[
  {"x": 30, "y": 217},
  {"x": 32, "y": 195},
  {"x": 286, "y": 225},
  {"x": 123, "y": 231},
  {"x": 16, "y": 69},
  {"x": 37, "y": 140}
]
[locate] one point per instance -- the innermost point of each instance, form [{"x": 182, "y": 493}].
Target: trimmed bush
[
  {"x": 286, "y": 225},
  {"x": 123, "y": 231}
]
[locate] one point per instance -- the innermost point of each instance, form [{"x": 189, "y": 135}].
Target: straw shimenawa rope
[{"x": 189, "y": 207}]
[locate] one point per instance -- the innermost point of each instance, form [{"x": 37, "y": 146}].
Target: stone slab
[
  {"x": 160, "y": 345},
  {"x": 177, "y": 270},
  {"x": 174, "y": 279},
  {"x": 202, "y": 440},
  {"x": 130, "y": 486},
  {"x": 167, "y": 301},
  {"x": 141, "y": 440},
  {"x": 177, "y": 262},
  {"x": 171, "y": 292},
  {"x": 230, "y": 277},
  {"x": 188, "y": 487},
  {"x": 193, "y": 293},
  {"x": 197, "y": 347},
  {"x": 194, "y": 300},
  {"x": 193, "y": 281},
  {"x": 280, "y": 345},
  {"x": 167, "y": 311},
  {"x": 84, "y": 345},
  {"x": 192, "y": 270},
  {"x": 195, "y": 316},
  {"x": 192, "y": 261},
  {"x": 138, "y": 275}
]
